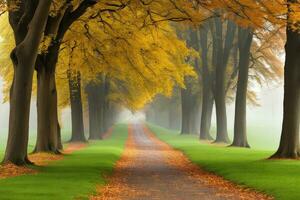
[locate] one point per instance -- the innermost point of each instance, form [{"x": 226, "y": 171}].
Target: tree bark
[
  {"x": 244, "y": 44},
  {"x": 207, "y": 96},
  {"x": 48, "y": 133},
  {"x": 59, "y": 142},
  {"x": 106, "y": 105},
  {"x": 28, "y": 32},
  {"x": 289, "y": 141},
  {"x": 220, "y": 85},
  {"x": 95, "y": 102},
  {"x": 76, "y": 107},
  {"x": 48, "y": 138},
  {"x": 94, "y": 130}
]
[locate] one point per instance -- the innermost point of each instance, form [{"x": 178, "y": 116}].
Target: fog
[{"x": 264, "y": 121}]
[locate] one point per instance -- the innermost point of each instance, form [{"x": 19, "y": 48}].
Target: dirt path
[{"x": 150, "y": 169}]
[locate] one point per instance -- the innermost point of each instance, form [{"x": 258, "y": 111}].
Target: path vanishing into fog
[{"x": 150, "y": 169}]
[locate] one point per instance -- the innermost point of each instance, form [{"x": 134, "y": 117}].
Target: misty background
[{"x": 264, "y": 121}]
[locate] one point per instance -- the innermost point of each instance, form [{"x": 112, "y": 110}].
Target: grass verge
[
  {"x": 74, "y": 177},
  {"x": 278, "y": 178}
]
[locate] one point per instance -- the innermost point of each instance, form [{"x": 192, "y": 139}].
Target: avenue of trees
[
  {"x": 98, "y": 56},
  {"x": 232, "y": 53}
]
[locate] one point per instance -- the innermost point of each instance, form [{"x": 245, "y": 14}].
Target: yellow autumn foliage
[{"x": 140, "y": 62}]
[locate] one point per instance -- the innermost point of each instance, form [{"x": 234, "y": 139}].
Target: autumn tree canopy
[{"x": 98, "y": 56}]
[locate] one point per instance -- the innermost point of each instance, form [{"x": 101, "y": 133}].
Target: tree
[
  {"x": 245, "y": 36},
  {"x": 289, "y": 141},
  {"x": 207, "y": 95},
  {"x": 95, "y": 96},
  {"x": 28, "y": 21},
  {"x": 59, "y": 22},
  {"x": 190, "y": 104},
  {"x": 76, "y": 107},
  {"x": 222, "y": 56},
  {"x": 57, "y": 25},
  {"x": 114, "y": 53}
]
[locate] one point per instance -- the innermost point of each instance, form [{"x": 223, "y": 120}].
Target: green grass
[
  {"x": 279, "y": 178},
  {"x": 74, "y": 177},
  {"x": 260, "y": 136}
]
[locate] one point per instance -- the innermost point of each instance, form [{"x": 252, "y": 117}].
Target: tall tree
[
  {"x": 245, "y": 37},
  {"x": 207, "y": 95},
  {"x": 57, "y": 26},
  {"x": 289, "y": 141},
  {"x": 187, "y": 104},
  {"x": 190, "y": 99},
  {"x": 28, "y": 20},
  {"x": 76, "y": 107},
  {"x": 96, "y": 95},
  {"x": 223, "y": 46}
]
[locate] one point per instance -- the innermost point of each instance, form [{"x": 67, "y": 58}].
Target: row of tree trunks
[
  {"x": 101, "y": 111},
  {"x": 96, "y": 94},
  {"x": 189, "y": 111},
  {"x": 49, "y": 139},
  {"x": 222, "y": 57},
  {"x": 245, "y": 37},
  {"x": 28, "y": 33},
  {"x": 190, "y": 102},
  {"x": 165, "y": 111},
  {"x": 76, "y": 107},
  {"x": 94, "y": 112}
]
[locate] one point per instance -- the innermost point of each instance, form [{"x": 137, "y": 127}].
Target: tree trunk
[
  {"x": 95, "y": 102},
  {"x": 23, "y": 57},
  {"x": 220, "y": 86},
  {"x": 105, "y": 104},
  {"x": 20, "y": 96},
  {"x": 240, "y": 133},
  {"x": 76, "y": 108},
  {"x": 207, "y": 97},
  {"x": 47, "y": 133},
  {"x": 289, "y": 141},
  {"x": 59, "y": 142}
]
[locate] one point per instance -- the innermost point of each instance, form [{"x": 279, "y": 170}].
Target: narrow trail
[{"x": 151, "y": 169}]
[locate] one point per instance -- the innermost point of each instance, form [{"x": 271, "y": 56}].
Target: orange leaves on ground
[
  {"x": 117, "y": 186},
  {"x": 39, "y": 159},
  {"x": 43, "y": 159},
  {"x": 11, "y": 170}
]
